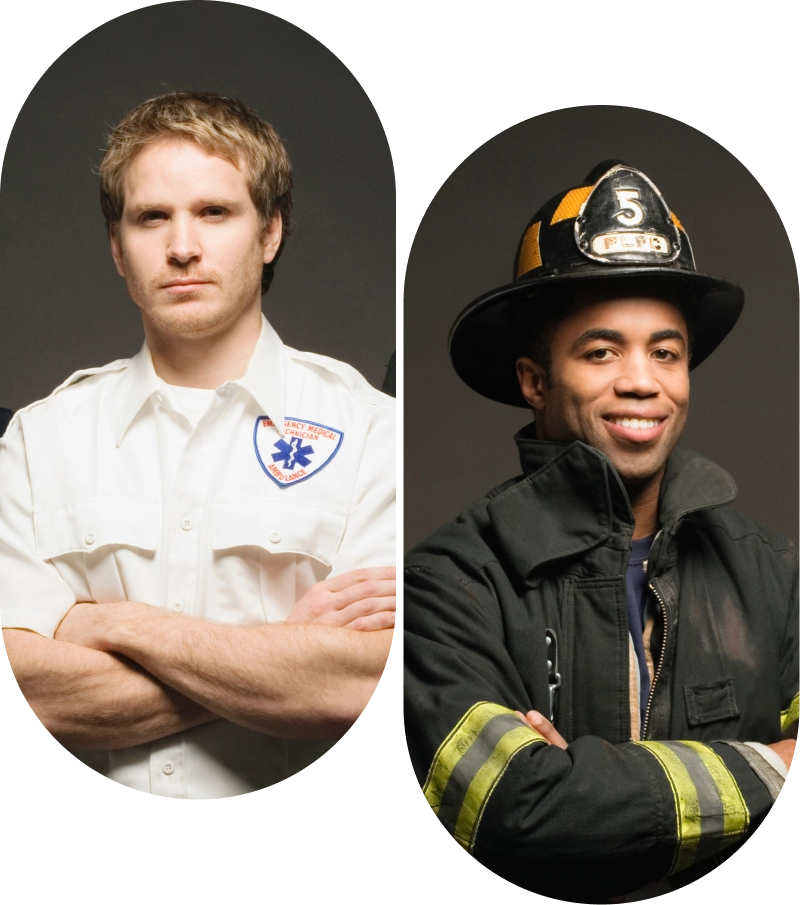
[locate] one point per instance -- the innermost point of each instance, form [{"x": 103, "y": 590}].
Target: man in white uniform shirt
[{"x": 196, "y": 543}]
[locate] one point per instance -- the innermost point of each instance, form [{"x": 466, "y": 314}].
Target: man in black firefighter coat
[{"x": 601, "y": 656}]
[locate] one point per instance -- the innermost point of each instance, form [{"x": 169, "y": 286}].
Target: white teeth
[{"x": 636, "y": 423}]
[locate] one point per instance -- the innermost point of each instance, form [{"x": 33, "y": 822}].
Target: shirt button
[
  {"x": 90, "y": 538},
  {"x": 177, "y": 606},
  {"x": 168, "y": 768},
  {"x": 186, "y": 524},
  {"x": 274, "y": 537}
]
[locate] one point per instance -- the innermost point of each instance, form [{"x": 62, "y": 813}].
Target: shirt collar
[
  {"x": 140, "y": 383},
  {"x": 263, "y": 380}
]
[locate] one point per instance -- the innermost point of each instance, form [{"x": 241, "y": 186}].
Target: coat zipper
[
  {"x": 663, "y": 609},
  {"x": 651, "y": 585}
]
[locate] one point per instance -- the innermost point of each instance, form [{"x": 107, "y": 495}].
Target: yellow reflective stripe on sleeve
[
  {"x": 790, "y": 715},
  {"x": 469, "y": 764},
  {"x": 482, "y": 785},
  {"x": 687, "y": 806},
  {"x": 736, "y": 815},
  {"x": 711, "y": 812},
  {"x": 454, "y": 746},
  {"x": 570, "y": 204},
  {"x": 530, "y": 257}
]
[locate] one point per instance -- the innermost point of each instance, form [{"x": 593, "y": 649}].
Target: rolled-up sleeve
[{"x": 33, "y": 595}]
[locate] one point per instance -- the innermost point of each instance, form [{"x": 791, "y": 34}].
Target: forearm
[
  {"x": 292, "y": 681},
  {"x": 92, "y": 700}
]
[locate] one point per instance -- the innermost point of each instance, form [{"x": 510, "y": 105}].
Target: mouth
[
  {"x": 184, "y": 286},
  {"x": 636, "y": 429}
]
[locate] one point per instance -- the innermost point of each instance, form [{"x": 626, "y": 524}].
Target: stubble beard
[{"x": 181, "y": 317}]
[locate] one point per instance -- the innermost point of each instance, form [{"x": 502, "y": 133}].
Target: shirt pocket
[
  {"x": 268, "y": 553},
  {"x": 83, "y": 538}
]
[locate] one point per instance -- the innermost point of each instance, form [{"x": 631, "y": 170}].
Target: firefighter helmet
[{"x": 615, "y": 225}]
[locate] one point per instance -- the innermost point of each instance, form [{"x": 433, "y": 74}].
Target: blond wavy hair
[{"x": 220, "y": 125}]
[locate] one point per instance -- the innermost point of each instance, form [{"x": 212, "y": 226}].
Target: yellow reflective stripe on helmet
[
  {"x": 710, "y": 810},
  {"x": 529, "y": 255},
  {"x": 790, "y": 715},
  {"x": 486, "y": 779},
  {"x": 677, "y": 222},
  {"x": 469, "y": 763},
  {"x": 570, "y": 204}
]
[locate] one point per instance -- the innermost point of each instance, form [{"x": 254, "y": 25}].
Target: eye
[
  {"x": 601, "y": 354},
  {"x": 152, "y": 216},
  {"x": 666, "y": 355},
  {"x": 215, "y": 213}
]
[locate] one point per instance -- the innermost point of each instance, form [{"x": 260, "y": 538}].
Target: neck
[
  {"x": 644, "y": 505},
  {"x": 206, "y": 361}
]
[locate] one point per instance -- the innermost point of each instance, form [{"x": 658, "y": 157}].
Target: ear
[
  {"x": 533, "y": 382},
  {"x": 116, "y": 249},
  {"x": 272, "y": 237}
]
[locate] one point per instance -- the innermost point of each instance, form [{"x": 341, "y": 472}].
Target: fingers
[
  {"x": 361, "y": 609},
  {"x": 545, "y": 728},
  {"x": 374, "y": 623},
  {"x": 347, "y": 579},
  {"x": 362, "y": 591}
]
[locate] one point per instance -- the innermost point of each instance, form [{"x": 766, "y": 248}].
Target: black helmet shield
[{"x": 616, "y": 225}]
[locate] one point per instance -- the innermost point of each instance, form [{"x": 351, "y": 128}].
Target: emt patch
[{"x": 306, "y": 449}]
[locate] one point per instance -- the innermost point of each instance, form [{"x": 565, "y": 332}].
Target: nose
[
  {"x": 637, "y": 377},
  {"x": 183, "y": 244}
]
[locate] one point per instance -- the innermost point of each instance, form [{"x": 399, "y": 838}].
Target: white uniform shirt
[{"x": 107, "y": 494}]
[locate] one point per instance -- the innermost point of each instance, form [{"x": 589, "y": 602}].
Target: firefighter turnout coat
[{"x": 545, "y": 554}]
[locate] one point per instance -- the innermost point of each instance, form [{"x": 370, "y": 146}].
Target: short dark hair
[{"x": 536, "y": 320}]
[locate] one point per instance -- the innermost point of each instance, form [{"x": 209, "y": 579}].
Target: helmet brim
[{"x": 484, "y": 348}]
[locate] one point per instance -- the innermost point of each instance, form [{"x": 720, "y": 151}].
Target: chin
[
  {"x": 191, "y": 321},
  {"x": 637, "y": 473}
]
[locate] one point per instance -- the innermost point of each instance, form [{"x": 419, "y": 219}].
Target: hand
[
  {"x": 363, "y": 600},
  {"x": 785, "y": 749},
  {"x": 543, "y": 726},
  {"x": 86, "y": 624}
]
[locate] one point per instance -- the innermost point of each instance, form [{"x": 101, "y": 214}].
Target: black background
[{"x": 357, "y": 827}]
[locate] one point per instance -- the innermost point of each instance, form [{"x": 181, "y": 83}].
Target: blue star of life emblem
[
  {"x": 306, "y": 448},
  {"x": 292, "y": 454}
]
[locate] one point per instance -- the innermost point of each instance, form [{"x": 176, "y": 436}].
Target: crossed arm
[{"x": 126, "y": 673}]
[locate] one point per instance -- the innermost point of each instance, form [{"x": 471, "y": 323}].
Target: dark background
[
  {"x": 357, "y": 826},
  {"x": 63, "y": 305},
  {"x": 744, "y": 407}
]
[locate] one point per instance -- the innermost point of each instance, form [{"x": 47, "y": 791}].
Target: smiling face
[
  {"x": 190, "y": 243},
  {"x": 619, "y": 381}
]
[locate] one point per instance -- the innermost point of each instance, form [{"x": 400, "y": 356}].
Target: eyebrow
[
  {"x": 203, "y": 202},
  {"x": 615, "y": 336}
]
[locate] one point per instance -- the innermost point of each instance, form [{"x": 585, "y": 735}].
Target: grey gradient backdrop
[
  {"x": 744, "y": 406},
  {"x": 63, "y": 305}
]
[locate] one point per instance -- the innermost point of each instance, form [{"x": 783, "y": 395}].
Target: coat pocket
[{"x": 711, "y": 702}]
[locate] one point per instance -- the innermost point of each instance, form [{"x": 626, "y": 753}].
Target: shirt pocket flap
[
  {"x": 279, "y": 526},
  {"x": 83, "y": 526}
]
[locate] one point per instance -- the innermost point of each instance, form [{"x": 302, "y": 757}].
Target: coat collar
[
  {"x": 571, "y": 499},
  {"x": 264, "y": 380}
]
